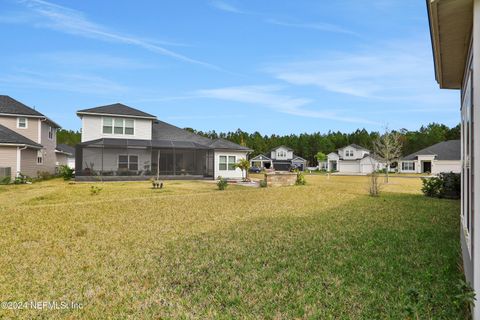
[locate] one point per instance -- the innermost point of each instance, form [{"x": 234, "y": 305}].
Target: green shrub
[
  {"x": 263, "y": 183},
  {"x": 65, "y": 172},
  {"x": 300, "y": 179},
  {"x": 222, "y": 183},
  {"x": 5, "y": 180},
  {"x": 445, "y": 185},
  {"x": 21, "y": 179}
]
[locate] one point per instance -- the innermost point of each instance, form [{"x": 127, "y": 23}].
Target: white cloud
[
  {"x": 392, "y": 72},
  {"x": 319, "y": 26},
  {"x": 63, "y": 19},
  {"x": 270, "y": 97},
  {"x": 225, "y": 6},
  {"x": 82, "y": 83}
]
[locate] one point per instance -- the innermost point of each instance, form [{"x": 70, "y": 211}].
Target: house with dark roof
[
  {"x": 354, "y": 159},
  {"x": 440, "y": 157},
  {"x": 27, "y": 139},
  {"x": 65, "y": 155},
  {"x": 123, "y": 143},
  {"x": 280, "y": 158}
]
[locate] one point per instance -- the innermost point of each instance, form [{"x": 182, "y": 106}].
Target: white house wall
[
  {"x": 288, "y": 154},
  {"x": 230, "y": 174},
  {"x": 92, "y": 128},
  {"x": 446, "y": 166}
]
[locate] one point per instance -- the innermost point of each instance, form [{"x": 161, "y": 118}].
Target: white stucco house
[
  {"x": 280, "y": 158},
  {"x": 455, "y": 39},
  {"x": 353, "y": 159},
  {"x": 440, "y": 157},
  {"x": 123, "y": 143}
]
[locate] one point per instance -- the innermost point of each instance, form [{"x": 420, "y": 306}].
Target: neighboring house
[
  {"x": 441, "y": 157},
  {"x": 455, "y": 35},
  {"x": 65, "y": 155},
  {"x": 27, "y": 139},
  {"x": 283, "y": 159},
  {"x": 261, "y": 161},
  {"x": 353, "y": 159},
  {"x": 123, "y": 143}
]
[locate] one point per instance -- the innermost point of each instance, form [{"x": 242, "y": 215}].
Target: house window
[
  {"x": 107, "y": 125},
  {"x": 39, "y": 157},
  {"x": 349, "y": 153},
  {"x": 408, "y": 166},
  {"x": 468, "y": 197},
  {"x": 128, "y": 162},
  {"x": 222, "y": 165},
  {"x": 281, "y": 154},
  {"x": 22, "y": 123},
  {"x": 50, "y": 133},
  {"x": 129, "y": 126},
  {"x": 118, "y": 126},
  {"x": 231, "y": 163}
]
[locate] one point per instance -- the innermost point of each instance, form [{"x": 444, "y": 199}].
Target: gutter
[{"x": 432, "y": 43}]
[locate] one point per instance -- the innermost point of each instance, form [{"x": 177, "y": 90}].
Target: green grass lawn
[{"x": 321, "y": 251}]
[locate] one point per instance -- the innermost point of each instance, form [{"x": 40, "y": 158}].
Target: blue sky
[{"x": 269, "y": 66}]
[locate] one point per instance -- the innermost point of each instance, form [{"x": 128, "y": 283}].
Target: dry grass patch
[{"x": 324, "y": 250}]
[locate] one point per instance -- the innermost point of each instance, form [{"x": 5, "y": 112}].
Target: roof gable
[
  {"x": 8, "y": 105},
  {"x": 261, "y": 157},
  {"x": 355, "y": 146},
  {"x": 282, "y": 146},
  {"x": 117, "y": 109}
]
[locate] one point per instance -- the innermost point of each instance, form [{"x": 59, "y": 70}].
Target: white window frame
[
  {"x": 51, "y": 132},
  {"x": 220, "y": 163},
  {"x": 405, "y": 168},
  {"x": 39, "y": 157},
  {"x": 18, "y": 123},
  {"x": 124, "y": 126},
  {"x": 128, "y": 161},
  {"x": 232, "y": 164},
  {"x": 349, "y": 153}
]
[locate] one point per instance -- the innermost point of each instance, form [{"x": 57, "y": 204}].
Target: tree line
[{"x": 307, "y": 145}]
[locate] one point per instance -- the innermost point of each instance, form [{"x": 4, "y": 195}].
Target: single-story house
[
  {"x": 440, "y": 157},
  {"x": 354, "y": 159},
  {"x": 123, "y": 143}
]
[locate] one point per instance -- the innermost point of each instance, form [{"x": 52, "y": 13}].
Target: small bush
[
  {"x": 263, "y": 183},
  {"x": 65, "y": 172},
  {"x": 44, "y": 175},
  {"x": 300, "y": 179},
  {"x": 445, "y": 185},
  {"x": 94, "y": 190},
  {"x": 222, "y": 183},
  {"x": 21, "y": 179},
  {"x": 5, "y": 180}
]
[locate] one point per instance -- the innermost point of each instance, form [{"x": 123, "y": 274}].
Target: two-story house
[
  {"x": 27, "y": 139},
  {"x": 123, "y": 143},
  {"x": 280, "y": 158},
  {"x": 354, "y": 159}
]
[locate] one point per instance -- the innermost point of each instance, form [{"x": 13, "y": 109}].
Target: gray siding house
[
  {"x": 123, "y": 143},
  {"x": 27, "y": 139}
]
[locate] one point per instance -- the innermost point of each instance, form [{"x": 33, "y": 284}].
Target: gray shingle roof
[
  {"x": 8, "y": 136},
  {"x": 66, "y": 148},
  {"x": 8, "y": 105},
  {"x": 225, "y": 144},
  {"x": 446, "y": 150},
  {"x": 165, "y": 131},
  {"x": 118, "y": 109}
]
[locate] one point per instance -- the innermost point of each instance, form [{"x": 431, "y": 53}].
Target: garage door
[
  {"x": 349, "y": 167},
  {"x": 367, "y": 168},
  {"x": 281, "y": 167}
]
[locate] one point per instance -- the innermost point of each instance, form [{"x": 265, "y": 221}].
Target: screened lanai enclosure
[{"x": 112, "y": 159}]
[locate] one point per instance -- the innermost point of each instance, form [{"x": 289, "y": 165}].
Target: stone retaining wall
[{"x": 279, "y": 179}]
